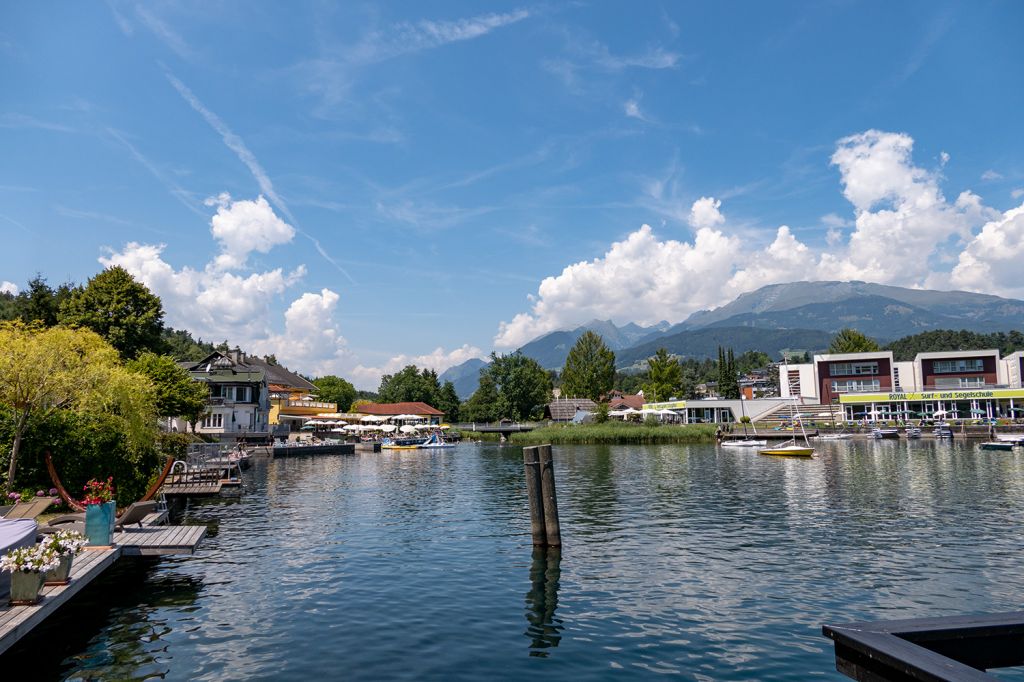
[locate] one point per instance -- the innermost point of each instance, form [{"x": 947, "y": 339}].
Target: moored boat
[
  {"x": 744, "y": 443},
  {"x": 792, "y": 450},
  {"x": 913, "y": 432},
  {"x": 885, "y": 433},
  {"x": 997, "y": 445},
  {"x": 434, "y": 442}
]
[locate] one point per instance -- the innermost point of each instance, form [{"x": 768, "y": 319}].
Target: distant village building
[{"x": 565, "y": 409}]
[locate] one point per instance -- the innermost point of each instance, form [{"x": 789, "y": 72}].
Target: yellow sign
[
  {"x": 981, "y": 394},
  {"x": 672, "y": 405}
]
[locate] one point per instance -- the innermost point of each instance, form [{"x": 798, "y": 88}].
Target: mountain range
[{"x": 796, "y": 315}]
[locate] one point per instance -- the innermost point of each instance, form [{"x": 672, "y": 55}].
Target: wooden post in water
[
  {"x": 552, "y": 527},
  {"x": 531, "y": 465}
]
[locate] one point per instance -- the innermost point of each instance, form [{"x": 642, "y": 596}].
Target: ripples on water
[{"x": 705, "y": 563}]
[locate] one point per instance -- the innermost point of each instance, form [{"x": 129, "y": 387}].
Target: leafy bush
[{"x": 83, "y": 446}]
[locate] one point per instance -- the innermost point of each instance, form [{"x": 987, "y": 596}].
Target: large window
[
  {"x": 959, "y": 382},
  {"x": 846, "y": 369},
  {"x": 213, "y": 421},
  {"x": 956, "y": 366},
  {"x": 855, "y": 386}
]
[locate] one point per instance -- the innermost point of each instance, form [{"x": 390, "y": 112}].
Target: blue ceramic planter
[{"x": 99, "y": 523}]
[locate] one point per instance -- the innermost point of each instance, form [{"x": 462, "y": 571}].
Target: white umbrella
[
  {"x": 353, "y": 427},
  {"x": 445, "y": 427},
  {"x": 409, "y": 417},
  {"x": 940, "y": 413},
  {"x": 388, "y": 428},
  {"x": 667, "y": 413},
  {"x": 371, "y": 419},
  {"x": 408, "y": 429}
]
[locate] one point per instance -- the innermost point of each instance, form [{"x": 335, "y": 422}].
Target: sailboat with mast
[{"x": 791, "y": 448}]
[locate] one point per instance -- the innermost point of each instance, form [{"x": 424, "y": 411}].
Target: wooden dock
[
  {"x": 17, "y": 621},
  {"x": 145, "y": 540},
  {"x": 302, "y": 450},
  {"x": 192, "y": 489}
]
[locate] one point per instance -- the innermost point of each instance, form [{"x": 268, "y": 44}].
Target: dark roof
[
  {"x": 276, "y": 374},
  {"x": 220, "y": 368},
  {"x": 391, "y": 409},
  {"x": 563, "y": 410},
  {"x": 234, "y": 362}
]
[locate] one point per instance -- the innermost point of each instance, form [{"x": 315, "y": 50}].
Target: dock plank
[
  {"x": 160, "y": 540},
  {"x": 17, "y": 621}
]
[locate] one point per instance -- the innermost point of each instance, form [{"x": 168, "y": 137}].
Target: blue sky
[{"x": 441, "y": 179}]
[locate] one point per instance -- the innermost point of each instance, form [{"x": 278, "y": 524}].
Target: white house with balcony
[{"x": 239, "y": 403}]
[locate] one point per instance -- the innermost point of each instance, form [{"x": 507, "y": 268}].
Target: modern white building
[{"x": 969, "y": 384}]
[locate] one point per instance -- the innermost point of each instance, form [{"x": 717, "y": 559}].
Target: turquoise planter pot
[{"x": 99, "y": 523}]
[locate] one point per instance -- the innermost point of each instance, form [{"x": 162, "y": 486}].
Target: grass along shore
[{"x": 616, "y": 432}]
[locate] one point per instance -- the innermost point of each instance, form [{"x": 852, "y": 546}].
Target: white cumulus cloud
[
  {"x": 905, "y": 232},
  {"x": 245, "y": 226},
  {"x": 705, "y": 213},
  {"x": 8, "y": 288},
  {"x": 992, "y": 259}
]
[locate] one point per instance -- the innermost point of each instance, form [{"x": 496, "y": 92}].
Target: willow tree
[
  {"x": 47, "y": 369},
  {"x": 589, "y": 370}
]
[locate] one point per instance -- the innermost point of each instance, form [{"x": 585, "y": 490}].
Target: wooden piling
[
  {"x": 552, "y": 526},
  {"x": 531, "y": 465}
]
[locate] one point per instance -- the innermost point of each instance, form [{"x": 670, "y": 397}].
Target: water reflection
[{"x": 544, "y": 631}]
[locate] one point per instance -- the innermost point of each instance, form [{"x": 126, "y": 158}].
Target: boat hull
[
  {"x": 999, "y": 445},
  {"x": 744, "y": 443},
  {"x": 791, "y": 451}
]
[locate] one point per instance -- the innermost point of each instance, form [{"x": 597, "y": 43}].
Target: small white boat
[
  {"x": 885, "y": 433},
  {"x": 997, "y": 445},
  {"x": 913, "y": 432},
  {"x": 745, "y": 443},
  {"x": 833, "y": 436}
]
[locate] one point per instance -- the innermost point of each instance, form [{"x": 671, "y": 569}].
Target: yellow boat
[
  {"x": 793, "y": 450},
  {"x": 399, "y": 447}
]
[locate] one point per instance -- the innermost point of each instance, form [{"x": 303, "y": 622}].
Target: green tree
[
  {"x": 482, "y": 406},
  {"x": 851, "y": 341},
  {"x": 333, "y": 389},
  {"x": 589, "y": 370},
  {"x": 119, "y": 309},
  {"x": 601, "y": 413},
  {"x": 409, "y": 385},
  {"x": 523, "y": 385},
  {"x": 47, "y": 369},
  {"x": 448, "y": 401},
  {"x": 664, "y": 377},
  {"x": 177, "y": 394}
]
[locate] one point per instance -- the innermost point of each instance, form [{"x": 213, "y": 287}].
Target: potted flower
[
  {"x": 65, "y": 544},
  {"x": 28, "y": 565},
  {"x": 100, "y": 511}
]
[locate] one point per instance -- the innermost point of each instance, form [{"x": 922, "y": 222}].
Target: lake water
[{"x": 693, "y": 561}]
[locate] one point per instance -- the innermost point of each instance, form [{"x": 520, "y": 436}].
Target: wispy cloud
[
  {"x": 237, "y": 145},
  {"x": 19, "y": 225},
  {"x": 331, "y": 74},
  {"x": 120, "y": 19},
  {"x": 176, "y": 190},
  {"x": 407, "y": 38},
  {"x": 632, "y": 109},
  {"x": 167, "y": 35},
  {"x": 16, "y": 120},
  {"x": 90, "y": 215},
  {"x": 935, "y": 31},
  {"x": 991, "y": 175}
]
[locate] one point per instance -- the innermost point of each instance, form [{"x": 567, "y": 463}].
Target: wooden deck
[
  {"x": 159, "y": 540},
  {"x": 149, "y": 539},
  {"x": 17, "y": 621}
]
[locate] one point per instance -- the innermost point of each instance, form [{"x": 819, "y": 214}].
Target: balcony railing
[{"x": 310, "y": 403}]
